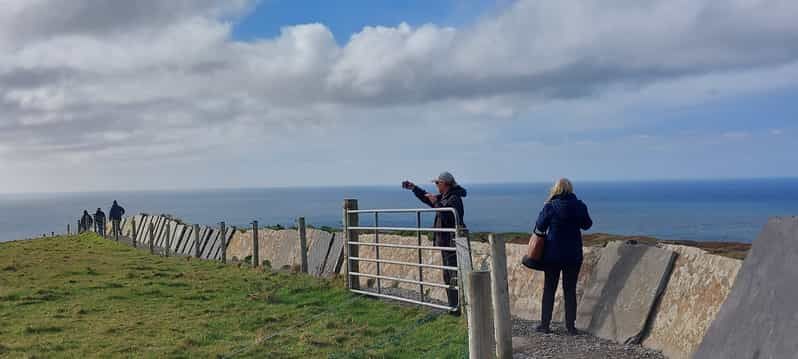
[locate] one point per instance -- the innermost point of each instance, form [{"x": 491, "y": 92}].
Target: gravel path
[{"x": 531, "y": 344}]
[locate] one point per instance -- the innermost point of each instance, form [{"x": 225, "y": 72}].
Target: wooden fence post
[
  {"x": 352, "y": 250},
  {"x": 223, "y": 241},
  {"x": 255, "y": 244},
  {"x": 152, "y": 238},
  {"x": 133, "y": 223},
  {"x": 168, "y": 239},
  {"x": 197, "y": 241},
  {"x": 480, "y": 318},
  {"x": 303, "y": 244},
  {"x": 503, "y": 325},
  {"x": 464, "y": 266}
]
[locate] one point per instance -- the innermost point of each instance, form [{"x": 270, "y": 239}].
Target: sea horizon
[{"x": 703, "y": 209}]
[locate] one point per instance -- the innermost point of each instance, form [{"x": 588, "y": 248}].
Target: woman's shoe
[
  {"x": 543, "y": 329},
  {"x": 572, "y": 330}
]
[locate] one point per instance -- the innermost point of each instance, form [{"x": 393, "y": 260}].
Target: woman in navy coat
[{"x": 562, "y": 219}]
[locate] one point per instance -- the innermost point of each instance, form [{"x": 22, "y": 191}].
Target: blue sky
[
  {"x": 348, "y": 17},
  {"x": 159, "y": 94}
]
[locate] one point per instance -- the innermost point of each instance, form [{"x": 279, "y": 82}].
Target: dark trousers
[
  {"x": 570, "y": 274},
  {"x": 449, "y": 259},
  {"x": 100, "y": 228},
  {"x": 116, "y": 231}
]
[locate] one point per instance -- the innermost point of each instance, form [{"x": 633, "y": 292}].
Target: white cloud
[{"x": 98, "y": 80}]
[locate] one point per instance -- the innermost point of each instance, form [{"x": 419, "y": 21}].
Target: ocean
[{"x": 718, "y": 210}]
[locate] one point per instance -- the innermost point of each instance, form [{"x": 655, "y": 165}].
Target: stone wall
[{"x": 697, "y": 285}]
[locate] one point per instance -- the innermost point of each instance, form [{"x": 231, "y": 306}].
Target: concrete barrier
[
  {"x": 318, "y": 252},
  {"x": 622, "y": 291},
  {"x": 759, "y": 320},
  {"x": 334, "y": 261}
]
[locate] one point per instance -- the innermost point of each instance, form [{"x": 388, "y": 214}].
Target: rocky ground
[{"x": 527, "y": 343}]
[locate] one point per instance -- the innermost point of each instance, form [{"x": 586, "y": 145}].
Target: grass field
[{"x": 83, "y": 296}]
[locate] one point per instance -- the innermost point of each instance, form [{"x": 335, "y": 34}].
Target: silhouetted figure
[
  {"x": 85, "y": 222},
  {"x": 563, "y": 217},
  {"x": 99, "y": 222},
  {"x": 115, "y": 215},
  {"x": 450, "y": 194}
]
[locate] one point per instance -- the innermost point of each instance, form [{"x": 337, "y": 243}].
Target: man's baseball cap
[{"x": 445, "y": 177}]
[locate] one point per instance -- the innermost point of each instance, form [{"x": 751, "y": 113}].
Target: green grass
[{"x": 83, "y": 296}]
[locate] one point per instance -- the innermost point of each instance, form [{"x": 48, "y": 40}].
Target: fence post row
[
  {"x": 133, "y": 223},
  {"x": 480, "y": 318},
  {"x": 255, "y": 249},
  {"x": 223, "y": 236},
  {"x": 152, "y": 238},
  {"x": 500, "y": 298},
  {"x": 168, "y": 239},
  {"x": 303, "y": 244},
  {"x": 352, "y": 250}
]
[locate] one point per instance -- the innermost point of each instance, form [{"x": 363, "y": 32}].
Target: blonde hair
[{"x": 562, "y": 186}]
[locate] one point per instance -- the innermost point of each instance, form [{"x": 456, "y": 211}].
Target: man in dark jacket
[
  {"x": 85, "y": 222},
  {"x": 564, "y": 217},
  {"x": 450, "y": 194},
  {"x": 99, "y": 222},
  {"x": 115, "y": 215}
]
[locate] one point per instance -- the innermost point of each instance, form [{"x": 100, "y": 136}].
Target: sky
[{"x": 120, "y": 95}]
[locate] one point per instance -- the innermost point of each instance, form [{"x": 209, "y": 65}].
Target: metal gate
[{"x": 351, "y": 229}]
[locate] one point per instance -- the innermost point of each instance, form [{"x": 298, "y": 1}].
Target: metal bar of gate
[
  {"x": 377, "y": 250},
  {"x": 406, "y": 246},
  {"x": 411, "y": 281},
  {"x": 387, "y": 261},
  {"x": 420, "y": 268},
  {"x": 405, "y": 229},
  {"x": 401, "y": 299}
]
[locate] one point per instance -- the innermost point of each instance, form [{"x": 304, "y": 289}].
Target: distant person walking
[
  {"x": 115, "y": 215},
  {"x": 560, "y": 221},
  {"x": 99, "y": 222},
  {"x": 85, "y": 222},
  {"x": 450, "y": 194}
]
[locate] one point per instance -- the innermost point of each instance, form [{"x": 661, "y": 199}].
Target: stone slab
[
  {"x": 335, "y": 257},
  {"x": 213, "y": 246},
  {"x": 188, "y": 240},
  {"x": 317, "y": 253},
  {"x": 213, "y": 235},
  {"x": 177, "y": 238},
  {"x": 160, "y": 231},
  {"x": 145, "y": 233},
  {"x": 759, "y": 318},
  {"x": 142, "y": 231},
  {"x": 280, "y": 248},
  {"x": 156, "y": 225},
  {"x": 230, "y": 232},
  {"x": 206, "y": 232},
  {"x": 622, "y": 291},
  {"x": 141, "y": 223}
]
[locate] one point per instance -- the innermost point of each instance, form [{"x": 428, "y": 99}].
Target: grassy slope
[{"x": 84, "y": 296}]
